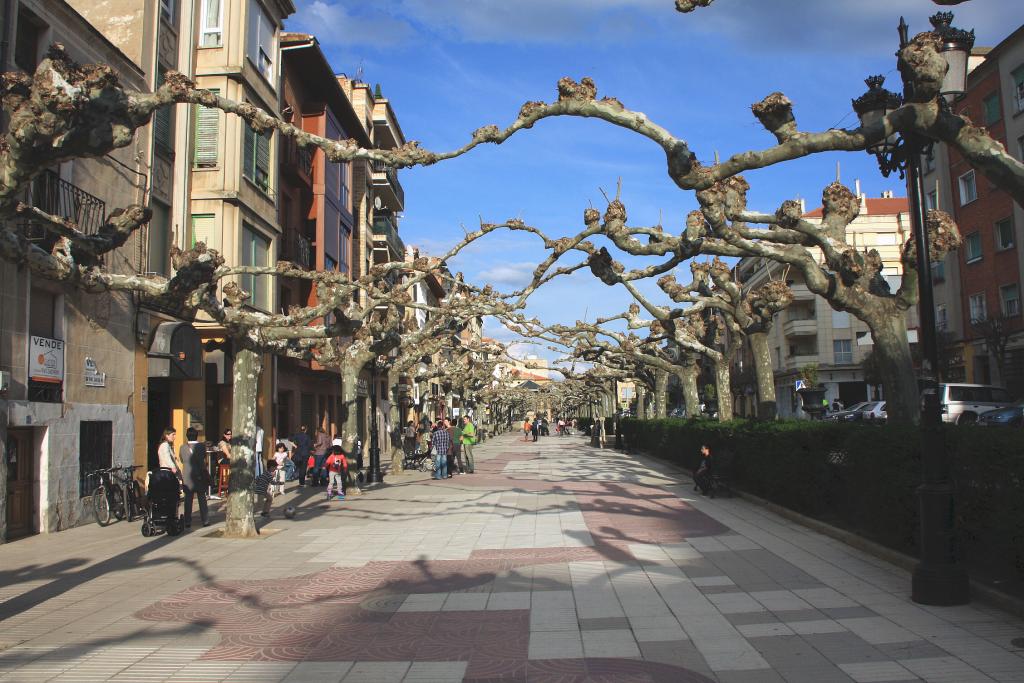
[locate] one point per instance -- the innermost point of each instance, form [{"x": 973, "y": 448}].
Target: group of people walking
[{"x": 539, "y": 426}]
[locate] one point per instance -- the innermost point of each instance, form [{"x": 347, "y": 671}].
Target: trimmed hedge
[{"x": 864, "y": 478}]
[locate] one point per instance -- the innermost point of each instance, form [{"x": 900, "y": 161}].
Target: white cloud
[
  {"x": 507, "y": 274},
  {"x": 363, "y": 24}
]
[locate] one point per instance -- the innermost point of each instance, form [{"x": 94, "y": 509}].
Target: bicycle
[
  {"x": 107, "y": 498},
  {"x": 134, "y": 502}
]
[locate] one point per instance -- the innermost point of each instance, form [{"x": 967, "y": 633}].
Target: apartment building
[
  {"x": 70, "y": 357},
  {"x": 979, "y": 287},
  {"x": 317, "y": 220},
  {"x": 810, "y": 331}
]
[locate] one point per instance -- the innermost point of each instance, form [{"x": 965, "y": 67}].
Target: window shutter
[
  {"x": 204, "y": 230},
  {"x": 249, "y": 153},
  {"x": 207, "y": 136},
  {"x": 162, "y": 122},
  {"x": 263, "y": 160}
]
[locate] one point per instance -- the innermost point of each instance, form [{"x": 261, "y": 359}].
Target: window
[
  {"x": 345, "y": 169},
  {"x": 931, "y": 200},
  {"x": 167, "y": 8},
  {"x": 204, "y": 226},
  {"x": 256, "y": 158},
  {"x": 938, "y": 271},
  {"x": 977, "y": 307},
  {"x": 163, "y": 124},
  {"x": 1004, "y": 233},
  {"x": 1018, "y": 87},
  {"x": 990, "y": 109},
  {"x": 843, "y": 350},
  {"x": 210, "y": 23},
  {"x": 26, "y": 42},
  {"x": 941, "y": 317},
  {"x": 96, "y": 441},
  {"x": 260, "y": 48},
  {"x": 968, "y": 189},
  {"x": 159, "y": 239},
  {"x": 256, "y": 252},
  {"x": 1009, "y": 298},
  {"x": 207, "y": 134},
  {"x": 972, "y": 247}
]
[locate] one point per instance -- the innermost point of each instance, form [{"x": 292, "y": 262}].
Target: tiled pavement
[{"x": 555, "y": 562}]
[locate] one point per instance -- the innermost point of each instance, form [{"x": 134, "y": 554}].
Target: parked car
[
  {"x": 1012, "y": 416},
  {"x": 850, "y": 414},
  {"x": 964, "y": 403},
  {"x": 874, "y": 412}
]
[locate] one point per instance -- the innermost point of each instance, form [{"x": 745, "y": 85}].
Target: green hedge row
[{"x": 864, "y": 478}]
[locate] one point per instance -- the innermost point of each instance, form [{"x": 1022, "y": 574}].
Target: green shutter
[
  {"x": 263, "y": 160},
  {"x": 249, "y": 153},
  {"x": 203, "y": 230},
  {"x": 207, "y": 136}
]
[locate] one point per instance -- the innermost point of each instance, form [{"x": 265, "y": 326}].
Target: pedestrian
[
  {"x": 441, "y": 443},
  {"x": 468, "y": 441},
  {"x": 561, "y": 427},
  {"x": 303, "y": 448},
  {"x": 320, "y": 447},
  {"x": 281, "y": 456},
  {"x": 259, "y": 452},
  {"x": 337, "y": 467},
  {"x": 165, "y": 452},
  {"x": 455, "y": 456},
  {"x": 221, "y": 456},
  {"x": 527, "y": 428},
  {"x": 535, "y": 428},
  {"x": 702, "y": 476},
  {"x": 837, "y": 405},
  {"x": 409, "y": 438},
  {"x": 195, "y": 476},
  {"x": 263, "y": 487}
]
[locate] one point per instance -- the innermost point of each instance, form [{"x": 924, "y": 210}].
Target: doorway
[
  {"x": 159, "y": 417},
  {"x": 20, "y": 483}
]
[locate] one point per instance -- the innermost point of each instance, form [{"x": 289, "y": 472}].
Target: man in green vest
[{"x": 468, "y": 438}]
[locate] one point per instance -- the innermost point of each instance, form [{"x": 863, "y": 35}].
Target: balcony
[
  {"x": 47, "y": 192},
  {"x": 385, "y": 182},
  {"x": 800, "y": 327},
  {"x": 802, "y": 358},
  {"x": 386, "y": 131},
  {"x": 297, "y": 249},
  {"x": 386, "y": 239},
  {"x": 297, "y": 162}
]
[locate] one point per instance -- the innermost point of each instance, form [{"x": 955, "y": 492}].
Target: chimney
[
  {"x": 803, "y": 206},
  {"x": 887, "y": 194},
  {"x": 861, "y": 197}
]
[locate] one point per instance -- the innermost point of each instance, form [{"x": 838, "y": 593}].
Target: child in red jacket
[{"x": 337, "y": 466}]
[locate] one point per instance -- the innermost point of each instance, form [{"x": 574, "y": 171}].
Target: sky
[{"x": 451, "y": 66}]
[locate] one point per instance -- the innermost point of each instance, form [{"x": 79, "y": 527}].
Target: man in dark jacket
[
  {"x": 195, "y": 477},
  {"x": 303, "y": 445}
]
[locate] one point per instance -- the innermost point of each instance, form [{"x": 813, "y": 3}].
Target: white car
[{"x": 873, "y": 412}]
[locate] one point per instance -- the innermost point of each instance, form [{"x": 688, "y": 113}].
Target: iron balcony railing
[
  {"x": 297, "y": 249},
  {"x": 383, "y": 226},
  {"x": 298, "y": 160},
  {"x": 392, "y": 177},
  {"x": 57, "y": 197}
]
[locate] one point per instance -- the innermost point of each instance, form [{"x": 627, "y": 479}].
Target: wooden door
[{"x": 20, "y": 484}]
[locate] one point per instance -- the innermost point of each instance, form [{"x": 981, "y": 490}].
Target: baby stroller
[{"x": 161, "y": 513}]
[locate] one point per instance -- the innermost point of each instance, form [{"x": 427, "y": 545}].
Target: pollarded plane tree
[
  {"x": 749, "y": 313},
  {"x": 686, "y": 6},
  {"x": 67, "y": 111}
]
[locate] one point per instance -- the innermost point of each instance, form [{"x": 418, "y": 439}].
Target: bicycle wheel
[
  {"x": 134, "y": 499},
  {"x": 101, "y": 505},
  {"x": 117, "y": 501}
]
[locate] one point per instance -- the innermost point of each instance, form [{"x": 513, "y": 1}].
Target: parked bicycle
[
  {"x": 107, "y": 497},
  {"x": 134, "y": 501}
]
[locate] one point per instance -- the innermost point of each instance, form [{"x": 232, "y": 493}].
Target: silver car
[{"x": 963, "y": 403}]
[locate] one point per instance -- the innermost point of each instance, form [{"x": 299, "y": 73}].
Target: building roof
[
  {"x": 304, "y": 51},
  {"x": 876, "y": 206}
]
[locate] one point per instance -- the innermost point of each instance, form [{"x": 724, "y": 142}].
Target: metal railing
[
  {"x": 298, "y": 159},
  {"x": 392, "y": 177},
  {"x": 382, "y": 225},
  {"x": 57, "y": 197},
  {"x": 295, "y": 247}
]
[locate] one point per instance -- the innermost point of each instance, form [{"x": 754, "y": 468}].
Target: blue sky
[{"x": 451, "y": 66}]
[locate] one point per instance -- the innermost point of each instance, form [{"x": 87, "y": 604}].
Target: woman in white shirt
[{"x": 165, "y": 453}]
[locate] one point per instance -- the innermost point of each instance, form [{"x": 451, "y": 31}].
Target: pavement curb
[{"x": 980, "y": 591}]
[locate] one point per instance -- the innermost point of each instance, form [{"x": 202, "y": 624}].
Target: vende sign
[{"x": 45, "y": 359}]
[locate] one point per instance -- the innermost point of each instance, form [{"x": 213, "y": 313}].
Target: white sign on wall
[
  {"x": 93, "y": 377},
  {"x": 45, "y": 360}
]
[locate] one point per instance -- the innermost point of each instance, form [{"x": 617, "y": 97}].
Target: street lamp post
[{"x": 939, "y": 578}]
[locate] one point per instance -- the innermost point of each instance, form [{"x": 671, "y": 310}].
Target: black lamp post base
[
  {"x": 943, "y": 585},
  {"x": 374, "y": 476}
]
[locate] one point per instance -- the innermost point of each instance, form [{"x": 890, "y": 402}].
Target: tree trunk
[
  {"x": 766, "y": 407},
  {"x": 723, "y": 390},
  {"x": 660, "y": 393},
  {"x": 889, "y": 333},
  {"x": 688, "y": 380},
  {"x": 349, "y": 415},
  {"x": 641, "y": 402},
  {"x": 246, "y": 380},
  {"x": 397, "y": 442}
]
